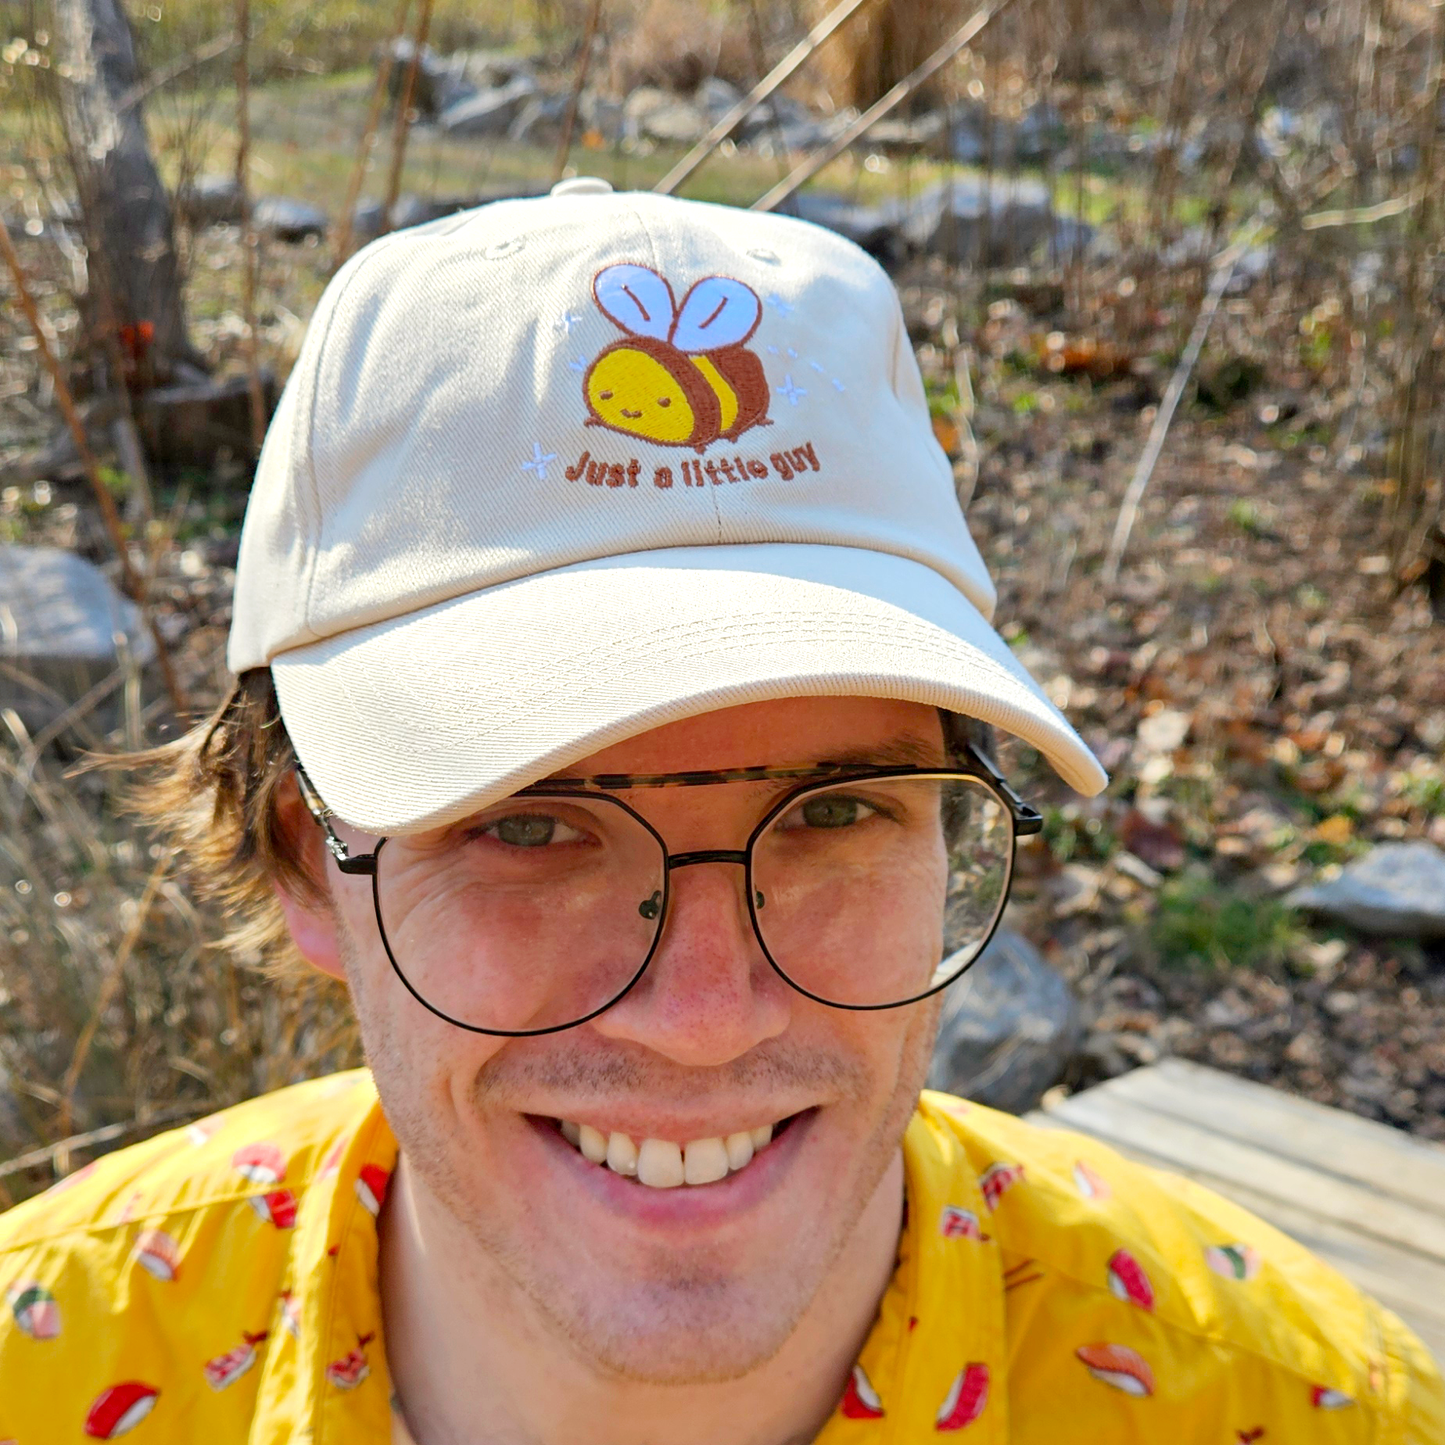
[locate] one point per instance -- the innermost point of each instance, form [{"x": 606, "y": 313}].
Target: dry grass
[{"x": 114, "y": 1008}]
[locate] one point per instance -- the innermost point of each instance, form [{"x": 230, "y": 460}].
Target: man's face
[{"x": 691, "y": 1283}]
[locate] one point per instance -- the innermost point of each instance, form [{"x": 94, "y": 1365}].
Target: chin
[{"x": 678, "y": 1333}]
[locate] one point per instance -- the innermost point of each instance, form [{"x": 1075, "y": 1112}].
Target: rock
[
  {"x": 1397, "y": 889},
  {"x": 600, "y": 113},
  {"x": 870, "y": 227},
  {"x": 209, "y": 201},
  {"x": 653, "y": 114},
  {"x": 541, "y": 119},
  {"x": 438, "y": 84},
  {"x": 284, "y": 219},
  {"x": 488, "y": 112},
  {"x": 63, "y": 625},
  {"x": 998, "y": 222},
  {"x": 1008, "y": 1028},
  {"x": 715, "y": 97},
  {"x": 195, "y": 424},
  {"x": 922, "y": 133},
  {"x": 412, "y": 210}
]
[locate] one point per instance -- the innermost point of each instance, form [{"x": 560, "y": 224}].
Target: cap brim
[{"x": 417, "y": 721}]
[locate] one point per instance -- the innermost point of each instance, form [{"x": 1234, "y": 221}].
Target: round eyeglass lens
[
  {"x": 875, "y": 892},
  {"x": 528, "y": 916}
]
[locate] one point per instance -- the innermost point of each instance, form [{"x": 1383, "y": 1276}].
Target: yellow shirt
[{"x": 218, "y": 1284}]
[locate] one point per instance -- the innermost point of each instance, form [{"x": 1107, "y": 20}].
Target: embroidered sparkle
[
  {"x": 817, "y": 366},
  {"x": 577, "y": 364},
  {"x": 539, "y": 461},
  {"x": 779, "y": 304},
  {"x": 567, "y": 321},
  {"x": 838, "y": 385},
  {"x": 792, "y": 390}
]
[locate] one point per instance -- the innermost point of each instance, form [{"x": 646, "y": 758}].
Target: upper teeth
[{"x": 660, "y": 1163}]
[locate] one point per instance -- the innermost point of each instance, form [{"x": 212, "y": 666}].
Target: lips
[
  {"x": 1322, "y": 1397},
  {"x": 663, "y": 1164},
  {"x": 226, "y": 1369},
  {"x": 1089, "y": 1183},
  {"x": 1119, "y": 1366},
  {"x": 278, "y": 1207},
  {"x": 371, "y": 1188},
  {"x": 997, "y": 1180}
]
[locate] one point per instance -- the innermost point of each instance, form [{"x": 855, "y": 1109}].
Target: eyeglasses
[{"x": 867, "y": 888}]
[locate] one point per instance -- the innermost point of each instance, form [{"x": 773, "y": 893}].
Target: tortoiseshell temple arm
[{"x": 1026, "y": 820}]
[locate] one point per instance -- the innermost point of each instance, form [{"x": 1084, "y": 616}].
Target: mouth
[
  {"x": 665, "y": 1163},
  {"x": 631, "y": 415}
]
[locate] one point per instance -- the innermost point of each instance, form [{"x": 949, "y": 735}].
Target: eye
[
  {"x": 831, "y": 810},
  {"x": 604, "y": 396},
  {"x": 530, "y": 830},
  {"x": 664, "y": 401}
]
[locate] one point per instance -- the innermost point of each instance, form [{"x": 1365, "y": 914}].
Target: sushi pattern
[
  {"x": 261, "y": 1164},
  {"x": 1118, "y": 1366},
  {"x": 158, "y": 1254},
  {"x": 957, "y": 1223},
  {"x": 1233, "y": 1261},
  {"x": 278, "y": 1207},
  {"x": 371, "y": 1188},
  {"x": 1128, "y": 1282},
  {"x": 965, "y": 1399},
  {"x": 997, "y": 1180},
  {"x": 223, "y": 1370},
  {"x": 35, "y": 1310},
  {"x": 118, "y": 1409},
  {"x": 1089, "y": 1182},
  {"x": 860, "y": 1400},
  {"x": 921, "y": 1370},
  {"x": 352, "y": 1368}
]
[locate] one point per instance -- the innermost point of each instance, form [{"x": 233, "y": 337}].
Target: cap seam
[
  {"x": 656, "y": 266},
  {"x": 359, "y": 264}
]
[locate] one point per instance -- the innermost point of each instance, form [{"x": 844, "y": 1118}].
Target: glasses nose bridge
[{"x": 694, "y": 856}]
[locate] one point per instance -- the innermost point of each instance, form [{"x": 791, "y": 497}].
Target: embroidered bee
[{"x": 681, "y": 375}]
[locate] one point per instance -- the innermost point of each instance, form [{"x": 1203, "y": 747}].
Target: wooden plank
[
  {"x": 1330, "y": 1140},
  {"x": 1402, "y": 1280},
  {"x": 1223, "y": 1161}
]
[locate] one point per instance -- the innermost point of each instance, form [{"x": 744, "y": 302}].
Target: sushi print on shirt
[{"x": 219, "y": 1284}]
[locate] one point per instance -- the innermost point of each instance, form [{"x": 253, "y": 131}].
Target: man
[{"x": 612, "y": 657}]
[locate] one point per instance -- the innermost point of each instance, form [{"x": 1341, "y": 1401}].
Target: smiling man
[{"x": 614, "y": 680}]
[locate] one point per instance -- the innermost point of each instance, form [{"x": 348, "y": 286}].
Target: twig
[
  {"x": 104, "y": 1135},
  {"x": 131, "y": 581},
  {"x": 1364, "y": 215},
  {"x": 403, "y": 114},
  {"x": 564, "y": 145},
  {"x": 900, "y": 92},
  {"x": 1224, "y": 265},
  {"x": 368, "y": 138},
  {"x": 756, "y": 96},
  {"x": 108, "y": 988},
  {"x": 158, "y": 79},
  {"x": 248, "y": 228}
]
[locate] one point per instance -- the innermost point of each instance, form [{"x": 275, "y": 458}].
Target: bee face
[{"x": 653, "y": 391}]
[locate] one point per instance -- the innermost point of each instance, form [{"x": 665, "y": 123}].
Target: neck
[{"x": 474, "y": 1362}]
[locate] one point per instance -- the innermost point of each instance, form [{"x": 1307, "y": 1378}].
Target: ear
[
  {"x": 719, "y": 311},
  {"x": 310, "y": 920},
  {"x": 635, "y": 298}
]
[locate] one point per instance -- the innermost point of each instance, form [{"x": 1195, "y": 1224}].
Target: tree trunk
[{"x": 126, "y": 213}]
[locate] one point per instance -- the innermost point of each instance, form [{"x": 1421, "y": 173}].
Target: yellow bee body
[{"x": 681, "y": 376}]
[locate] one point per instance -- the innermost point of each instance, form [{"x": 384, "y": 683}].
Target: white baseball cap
[{"x": 553, "y": 472}]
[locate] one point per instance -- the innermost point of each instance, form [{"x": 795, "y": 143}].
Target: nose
[{"x": 709, "y": 995}]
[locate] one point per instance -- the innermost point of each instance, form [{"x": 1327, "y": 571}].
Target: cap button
[{"x": 582, "y": 186}]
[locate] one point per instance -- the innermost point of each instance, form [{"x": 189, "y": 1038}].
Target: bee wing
[
  {"x": 635, "y": 298},
  {"x": 719, "y": 311}
]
